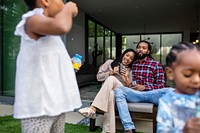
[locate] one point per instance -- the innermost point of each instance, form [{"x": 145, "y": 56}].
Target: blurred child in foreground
[
  {"x": 177, "y": 109},
  {"x": 46, "y": 86}
]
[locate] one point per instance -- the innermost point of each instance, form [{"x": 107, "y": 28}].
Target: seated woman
[{"x": 114, "y": 74}]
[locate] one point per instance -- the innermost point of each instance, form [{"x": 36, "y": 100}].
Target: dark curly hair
[
  {"x": 149, "y": 47},
  {"x": 119, "y": 60},
  {"x": 172, "y": 55},
  {"x": 31, "y": 4}
]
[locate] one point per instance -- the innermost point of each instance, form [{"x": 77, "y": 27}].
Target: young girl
[
  {"x": 46, "y": 85},
  {"x": 179, "y": 105},
  {"x": 113, "y": 77}
]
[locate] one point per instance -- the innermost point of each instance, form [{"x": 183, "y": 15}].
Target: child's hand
[
  {"x": 192, "y": 126},
  {"x": 78, "y": 66},
  {"x": 72, "y": 7}
]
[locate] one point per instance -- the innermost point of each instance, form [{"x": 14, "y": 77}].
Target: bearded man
[{"x": 149, "y": 87}]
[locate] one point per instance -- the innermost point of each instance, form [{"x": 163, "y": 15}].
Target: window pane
[
  {"x": 1, "y": 47},
  {"x": 167, "y": 41},
  {"x": 12, "y": 11},
  {"x": 113, "y": 46},
  {"x": 154, "y": 40},
  {"x": 91, "y": 40},
  {"x": 131, "y": 41},
  {"x": 107, "y": 44},
  {"x": 102, "y": 44},
  {"x": 99, "y": 50}
]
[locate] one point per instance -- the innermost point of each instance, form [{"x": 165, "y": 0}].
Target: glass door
[{"x": 12, "y": 12}]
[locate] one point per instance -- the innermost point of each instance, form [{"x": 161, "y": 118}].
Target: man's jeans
[{"x": 126, "y": 95}]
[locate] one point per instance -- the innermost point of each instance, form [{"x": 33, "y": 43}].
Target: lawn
[{"x": 10, "y": 125}]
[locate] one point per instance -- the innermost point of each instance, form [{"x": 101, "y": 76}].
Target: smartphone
[{"x": 121, "y": 67}]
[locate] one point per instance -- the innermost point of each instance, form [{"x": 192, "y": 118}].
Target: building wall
[{"x": 75, "y": 40}]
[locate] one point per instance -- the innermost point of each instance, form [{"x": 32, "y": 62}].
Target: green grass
[{"x": 10, "y": 125}]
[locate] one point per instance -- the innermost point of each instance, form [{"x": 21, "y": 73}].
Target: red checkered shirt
[{"x": 149, "y": 73}]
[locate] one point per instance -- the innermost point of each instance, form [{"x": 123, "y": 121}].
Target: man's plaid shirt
[{"x": 149, "y": 73}]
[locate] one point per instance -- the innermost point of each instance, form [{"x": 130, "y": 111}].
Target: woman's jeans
[{"x": 126, "y": 95}]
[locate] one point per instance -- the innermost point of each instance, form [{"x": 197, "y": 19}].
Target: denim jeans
[{"x": 126, "y": 95}]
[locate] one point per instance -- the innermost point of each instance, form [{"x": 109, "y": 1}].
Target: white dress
[{"x": 45, "y": 79}]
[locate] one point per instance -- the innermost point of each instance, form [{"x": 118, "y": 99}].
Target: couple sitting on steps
[
  {"x": 179, "y": 108},
  {"x": 139, "y": 67}
]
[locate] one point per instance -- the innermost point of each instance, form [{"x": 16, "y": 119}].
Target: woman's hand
[
  {"x": 124, "y": 73},
  {"x": 115, "y": 70}
]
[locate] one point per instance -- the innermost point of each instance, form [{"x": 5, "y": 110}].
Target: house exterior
[{"x": 90, "y": 38}]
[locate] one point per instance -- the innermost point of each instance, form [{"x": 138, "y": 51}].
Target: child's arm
[{"x": 60, "y": 24}]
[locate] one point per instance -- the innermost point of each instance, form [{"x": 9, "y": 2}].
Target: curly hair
[
  {"x": 172, "y": 55},
  {"x": 31, "y": 4},
  {"x": 119, "y": 60}
]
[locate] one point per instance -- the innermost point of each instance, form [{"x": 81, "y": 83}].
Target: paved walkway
[{"x": 87, "y": 95}]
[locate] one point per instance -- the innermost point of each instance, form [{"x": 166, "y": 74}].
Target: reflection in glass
[
  {"x": 167, "y": 41},
  {"x": 113, "y": 50},
  {"x": 161, "y": 43},
  {"x": 131, "y": 41},
  {"x": 107, "y": 44},
  {"x": 100, "y": 50},
  {"x": 91, "y": 40},
  {"x": 101, "y": 44},
  {"x": 154, "y": 40},
  {"x": 12, "y": 12}
]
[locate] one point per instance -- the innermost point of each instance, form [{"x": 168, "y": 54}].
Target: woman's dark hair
[
  {"x": 30, "y": 3},
  {"x": 172, "y": 55},
  {"x": 119, "y": 60},
  {"x": 149, "y": 47}
]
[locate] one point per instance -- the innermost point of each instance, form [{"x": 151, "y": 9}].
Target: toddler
[
  {"x": 179, "y": 106},
  {"x": 46, "y": 86}
]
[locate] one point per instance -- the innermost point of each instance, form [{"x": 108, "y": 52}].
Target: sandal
[{"x": 87, "y": 112}]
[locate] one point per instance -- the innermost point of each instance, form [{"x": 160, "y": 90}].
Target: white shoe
[
  {"x": 87, "y": 112},
  {"x": 106, "y": 132}
]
